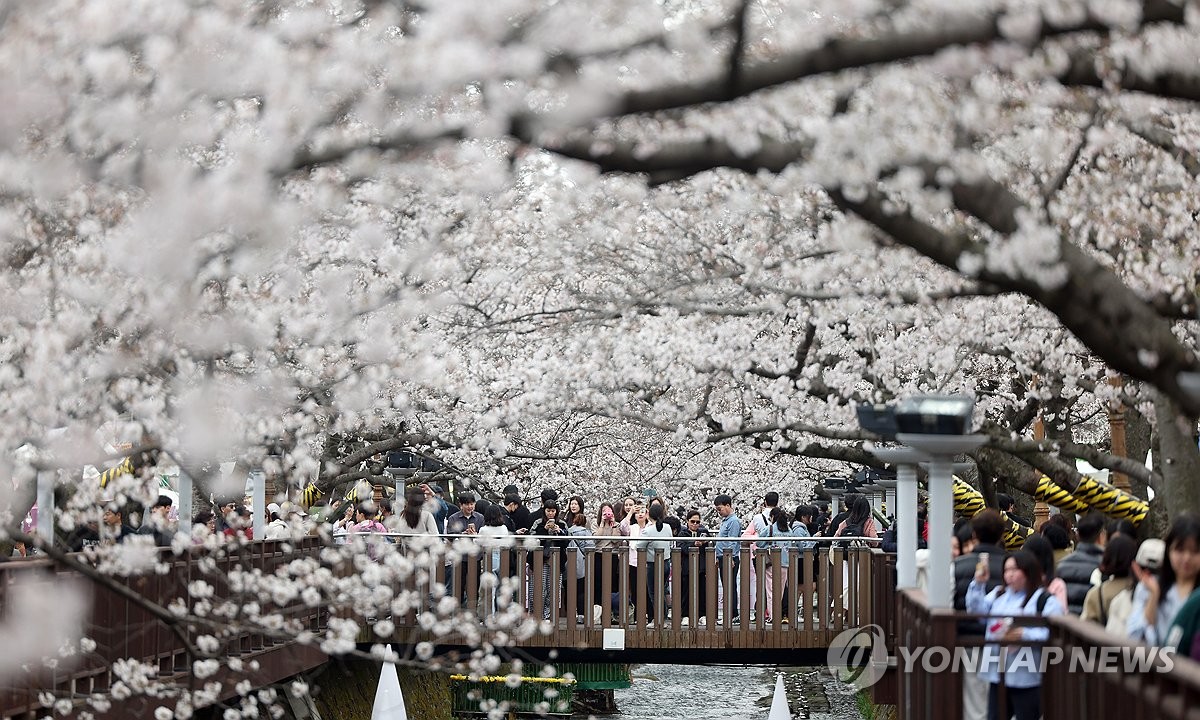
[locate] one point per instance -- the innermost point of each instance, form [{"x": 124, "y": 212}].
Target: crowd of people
[
  {"x": 641, "y": 530},
  {"x": 1094, "y": 568}
]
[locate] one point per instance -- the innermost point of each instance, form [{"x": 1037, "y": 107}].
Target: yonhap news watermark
[
  {"x": 858, "y": 657},
  {"x": 1114, "y": 659}
]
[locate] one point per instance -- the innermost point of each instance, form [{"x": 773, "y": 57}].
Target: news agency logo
[{"x": 858, "y": 657}]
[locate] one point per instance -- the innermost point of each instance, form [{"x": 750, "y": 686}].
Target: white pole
[
  {"x": 905, "y": 459},
  {"x": 185, "y": 502},
  {"x": 941, "y": 520},
  {"x": 906, "y": 520},
  {"x": 45, "y": 505},
  {"x": 260, "y": 503}
]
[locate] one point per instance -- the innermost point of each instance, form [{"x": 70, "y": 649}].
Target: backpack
[{"x": 852, "y": 530}]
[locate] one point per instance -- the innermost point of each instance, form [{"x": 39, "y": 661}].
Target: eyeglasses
[{"x": 693, "y": 520}]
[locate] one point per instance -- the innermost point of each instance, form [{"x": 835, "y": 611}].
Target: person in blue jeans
[
  {"x": 731, "y": 527},
  {"x": 1021, "y": 594}
]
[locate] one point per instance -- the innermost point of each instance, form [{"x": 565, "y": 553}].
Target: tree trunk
[
  {"x": 1178, "y": 459},
  {"x": 1137, "y": 443},
  {"x": 1139, "y": 435}
]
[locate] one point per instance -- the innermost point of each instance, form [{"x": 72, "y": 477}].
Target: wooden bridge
[
  {"x": 828, "y": 590},
  {"x": 833, "y": 590}
]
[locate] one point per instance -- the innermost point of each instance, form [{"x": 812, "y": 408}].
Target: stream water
[{"x": 691, "y": 692}]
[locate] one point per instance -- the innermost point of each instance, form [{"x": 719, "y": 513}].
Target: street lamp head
[
  {"x": 935, "y": 415},
  {"x": 879, "y": 419},
  {"x": 835, "y": 486}
]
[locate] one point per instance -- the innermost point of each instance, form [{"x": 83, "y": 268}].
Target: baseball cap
[
  {"x": 1150, "y": 553},
  {"x": 437, "y": 489},
  {"x": 273, "y": 507}
]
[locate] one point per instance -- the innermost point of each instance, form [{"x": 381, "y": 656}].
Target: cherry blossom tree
[{"x": 600, "y": 249}]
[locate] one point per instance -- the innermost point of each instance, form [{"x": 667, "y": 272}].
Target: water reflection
[{"x": 689, "y": 692}]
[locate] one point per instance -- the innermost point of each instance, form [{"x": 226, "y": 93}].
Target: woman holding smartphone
[{"x": 1021, "y": 594}]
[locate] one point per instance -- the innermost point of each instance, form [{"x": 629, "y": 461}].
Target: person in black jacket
[
  {"x": 155, "y": 523},
  {"x": 837, "y": 520},
  {"x": 553, "y": 537},
  {"x": 891, "y": 542},
  {"x": 1008, "y": 506},
  {"x": 519, "y": 519},
  {"x": 1076, "y": 569},
  {"x": 693, "y": 541},
  {"x": 989, "y": 529}
]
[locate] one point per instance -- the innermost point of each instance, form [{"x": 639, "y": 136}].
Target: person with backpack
[
  {"x": 1115, "y": 567},
  {"x": 859, "y": 521},
  {"x": 1021, "y": 594}
]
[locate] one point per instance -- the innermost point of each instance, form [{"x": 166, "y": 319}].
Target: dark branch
[
  {"x": 737, "y": 54},
  {"x": 674, "y": 160},
  {"x": 1092, "y": 302},
  {"x": 838, "y": 54}
]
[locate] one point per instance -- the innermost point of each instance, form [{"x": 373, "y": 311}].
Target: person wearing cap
[
  {"x": 156, "y": 523},
  {"x": 277, "y": 527},
  {"x": 1158, "y": 597}
]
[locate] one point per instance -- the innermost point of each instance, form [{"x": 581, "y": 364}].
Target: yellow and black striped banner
[
  {"x": 125, "y": 467},
  {"x": 310, "y": 495},
  {"x": 1015, "y": 534},
  {"x": 1111, "y": 501},
  {"x": 968, "y": 502},
  {"x": 1049, "y": 492}
]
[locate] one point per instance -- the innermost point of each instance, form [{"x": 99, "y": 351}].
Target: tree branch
[
  {"x": 1092, "y": 302},
  {"x": 838, "y": 54},
  {"x": 738, "y": 51},
  {"x": 66, "y": 560},
  {"x": 1024, "y": 448}
]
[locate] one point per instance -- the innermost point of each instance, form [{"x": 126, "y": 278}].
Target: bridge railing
[
  {"x": 122, "y": 627},
  {"x": 1136, "y": 684},
  {"x": 688, "y": 590}
]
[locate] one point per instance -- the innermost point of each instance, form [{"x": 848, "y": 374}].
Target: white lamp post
[
  {"x": 259, "y": 498},
  {"x": 905, "y": 459},
  {"x": 941, "y": 450}
]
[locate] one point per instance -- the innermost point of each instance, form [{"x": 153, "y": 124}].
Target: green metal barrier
[{"x": 597, "y": 677}]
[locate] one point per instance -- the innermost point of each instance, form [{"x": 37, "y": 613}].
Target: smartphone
[
  {"x": 471, "y": 527},
  {"x": 983, "y": 564},
  {"x": 998, "y": 627}
]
